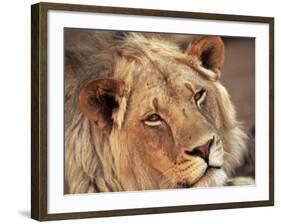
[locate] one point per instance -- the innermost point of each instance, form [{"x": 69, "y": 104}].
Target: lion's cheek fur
[{"x": 143, "y": 161}]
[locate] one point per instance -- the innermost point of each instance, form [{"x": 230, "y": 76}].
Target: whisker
[
  {"x": 170, "y": 169},
  {"x": 169, "y": 178}
]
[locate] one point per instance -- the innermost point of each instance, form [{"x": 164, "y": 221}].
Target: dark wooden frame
[{"x": 39, "y": 110}]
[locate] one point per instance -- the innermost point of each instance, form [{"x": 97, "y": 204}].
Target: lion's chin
[{"x": 212, "y": 177}]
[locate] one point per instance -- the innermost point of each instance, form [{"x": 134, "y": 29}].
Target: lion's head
[{"x": 148, "y": 115}]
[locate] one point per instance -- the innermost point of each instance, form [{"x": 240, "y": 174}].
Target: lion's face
[
  {"x": 171, "y": 123},
  {"x": 164, "y": 122}
]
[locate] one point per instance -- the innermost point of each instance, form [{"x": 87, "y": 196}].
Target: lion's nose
[{"x": 201, "y": 150}]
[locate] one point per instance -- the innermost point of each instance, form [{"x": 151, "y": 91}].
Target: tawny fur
[{"x": 93, "y": 160}]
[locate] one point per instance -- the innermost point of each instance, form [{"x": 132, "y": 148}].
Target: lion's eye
[
  {"x": 199, "y": 95},
  {"x": 153, "y": 117},
  {"x": 153, "y": 120}
]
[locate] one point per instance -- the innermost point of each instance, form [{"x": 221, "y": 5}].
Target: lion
[{"x": 142, "y": 113}]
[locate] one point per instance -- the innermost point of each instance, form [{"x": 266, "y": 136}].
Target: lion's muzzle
[
  {"x": 195, "y": 162},
  {"x": 201, "y": 150}
]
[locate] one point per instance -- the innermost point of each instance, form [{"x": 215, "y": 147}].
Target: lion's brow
[
  {"x": 189, "y": 86},
  {"x": 155, "y": 103}
]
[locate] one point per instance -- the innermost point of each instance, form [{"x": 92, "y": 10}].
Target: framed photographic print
[{"x": 138, "y": 111}]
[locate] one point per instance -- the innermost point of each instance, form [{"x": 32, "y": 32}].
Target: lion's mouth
[{"x": 182, "y": 184}]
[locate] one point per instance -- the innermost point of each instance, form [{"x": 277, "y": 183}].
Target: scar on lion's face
[{"x": 163, "y": 116}]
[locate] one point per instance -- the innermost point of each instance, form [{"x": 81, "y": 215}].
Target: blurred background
[{"x": 238, "y": 76}]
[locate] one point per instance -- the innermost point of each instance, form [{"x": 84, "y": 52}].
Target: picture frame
[{"x": 41, "y": 68}]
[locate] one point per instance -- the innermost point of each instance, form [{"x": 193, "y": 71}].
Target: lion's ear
[
  {"x": 210, "y": 53},
  {"x": 99, "y": 99}
]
